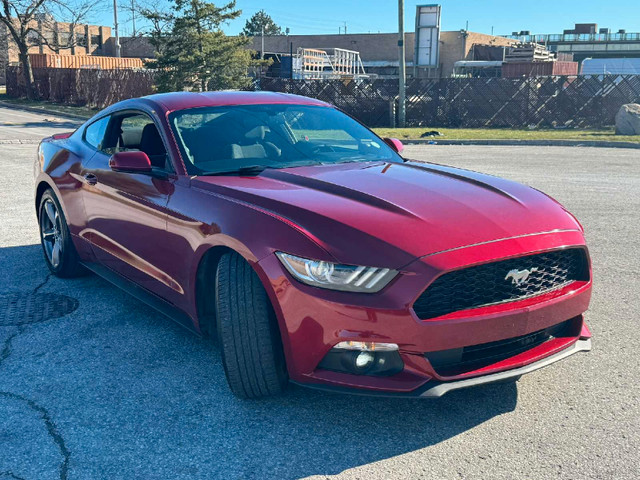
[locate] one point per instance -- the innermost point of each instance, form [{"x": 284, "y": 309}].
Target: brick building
[
  {"x": 379, "y": 51},
  {"x": 85, "y": 40}
]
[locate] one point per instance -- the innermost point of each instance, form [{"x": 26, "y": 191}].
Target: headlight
[{"x": 350, "y": 278}]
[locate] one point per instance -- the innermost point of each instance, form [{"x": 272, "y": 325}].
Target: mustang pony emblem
[{"x": 518, "y": 277}]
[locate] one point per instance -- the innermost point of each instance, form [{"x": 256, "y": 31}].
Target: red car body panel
[
  {"x": 421, "y": 219},
  {"x": 359, "y": 212}
]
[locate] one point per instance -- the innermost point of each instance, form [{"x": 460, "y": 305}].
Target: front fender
[{"x": 200, "y": 221}]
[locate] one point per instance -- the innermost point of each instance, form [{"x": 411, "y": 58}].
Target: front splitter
[{"x": 435, "y": 389}]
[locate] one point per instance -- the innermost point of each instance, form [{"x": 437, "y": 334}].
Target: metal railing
[{"x": 575, "y": 38}]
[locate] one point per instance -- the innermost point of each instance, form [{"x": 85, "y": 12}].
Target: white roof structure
[
  {"x": 610, "y": 66},
  {"x": 330, "y": 63}
]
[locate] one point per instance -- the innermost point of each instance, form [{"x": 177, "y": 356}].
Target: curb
[
  {"x": 27, "y": 108},
  {"x": 25, "y": 141},
  {"x": 536, "y": 143}
]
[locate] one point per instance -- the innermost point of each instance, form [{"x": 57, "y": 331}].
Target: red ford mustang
[{"x": 310, "y": 249}]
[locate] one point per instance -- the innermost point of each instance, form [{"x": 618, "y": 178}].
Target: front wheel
[
  {"x": 59, "y": 251},
  {"x": 248, "y": 332}
]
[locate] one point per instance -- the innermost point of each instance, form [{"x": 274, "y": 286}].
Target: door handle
[{"x": 90, "y": 178}]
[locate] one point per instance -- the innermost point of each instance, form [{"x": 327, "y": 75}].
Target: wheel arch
[
  {"x": 43, "y": 185},
  {"x": 205, "y": 287},
  {"x": 204, "y": 284}
]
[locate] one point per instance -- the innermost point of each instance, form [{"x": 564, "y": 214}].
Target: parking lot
[{"x": 94, "y": 384}]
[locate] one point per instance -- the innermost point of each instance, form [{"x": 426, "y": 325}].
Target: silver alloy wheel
[{"x": 51, "y": 233}]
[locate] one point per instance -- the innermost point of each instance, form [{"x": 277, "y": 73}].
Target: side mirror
[
  {"x": 133, "y": 161},
  {"x": 395, "y": 144}
]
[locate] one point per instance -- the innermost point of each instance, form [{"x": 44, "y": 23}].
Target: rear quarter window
[{"x": 94, "y": 133}]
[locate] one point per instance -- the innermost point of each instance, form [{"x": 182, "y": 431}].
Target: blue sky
[{"x": 505, "y": 16}]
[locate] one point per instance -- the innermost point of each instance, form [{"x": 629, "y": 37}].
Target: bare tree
[
  {"x": 158, "y": 18},
  {"x": 27, "y": 20}
]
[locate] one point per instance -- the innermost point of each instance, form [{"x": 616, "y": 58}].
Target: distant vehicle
[
  {"x": 310, "y": 248},
  {"x": 610, "y": 66}
]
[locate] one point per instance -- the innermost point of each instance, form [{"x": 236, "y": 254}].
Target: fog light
[{"x": 364, "y": 360}]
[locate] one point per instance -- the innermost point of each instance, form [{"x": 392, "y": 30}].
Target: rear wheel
[
  {"x": 247, "y": 331},
  {"x": 59, "y": 251}
]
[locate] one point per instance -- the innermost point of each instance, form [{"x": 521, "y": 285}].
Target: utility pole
[
  {"x": 262, "y": 48},
  {"x": 133, "y": 16},
  {"x": 402, "y": 68},
  {"x": 115, "y": 25}
]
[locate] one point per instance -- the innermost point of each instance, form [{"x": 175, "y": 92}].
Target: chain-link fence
[
  {"x": 559, "y": 101},
  {"x": 555, "y": 101}
]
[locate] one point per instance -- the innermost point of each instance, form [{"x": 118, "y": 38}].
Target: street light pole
[
  {"x": 402, "y": 67},
  {"x": 115, "y": 25},
  {"x": 133, "y": 16}
]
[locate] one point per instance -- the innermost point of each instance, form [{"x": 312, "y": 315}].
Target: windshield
[{"x": 227, "y": 139}]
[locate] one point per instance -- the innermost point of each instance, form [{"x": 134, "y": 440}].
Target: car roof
[
  {"x": 170, "y": 102},
  {"x": 183, "y": 100}
]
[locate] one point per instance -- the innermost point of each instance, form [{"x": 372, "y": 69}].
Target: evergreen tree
[
  {"x": 253, "y": 26},
  {"x": 193, "y": 53}
]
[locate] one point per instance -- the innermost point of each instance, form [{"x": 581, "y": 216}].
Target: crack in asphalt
[
  {"x": 6, "y": 348},
  {"x": 42, "y": 284},
  {"x": 10, "y": 474},
  {"x": 52, "y": 430}
]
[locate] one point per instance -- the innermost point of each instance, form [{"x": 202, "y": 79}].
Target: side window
[
  {"x": 94, "y": 133},
  {"x": 138, "y": 132},
  {"x": 131, "y": 130}
]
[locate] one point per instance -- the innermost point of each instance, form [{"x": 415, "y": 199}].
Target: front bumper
[
  {"x": 437, "y": 389},
  {"x": 313, "y": 320},
  {"x": 582, "y": 345}
]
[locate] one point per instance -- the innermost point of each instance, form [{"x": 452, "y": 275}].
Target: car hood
[{"x": 388, "y": 214}]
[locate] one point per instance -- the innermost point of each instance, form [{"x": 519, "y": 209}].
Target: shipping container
[
  {"x": 49, "y": 60},
  {"x": 538, "y": 69}
]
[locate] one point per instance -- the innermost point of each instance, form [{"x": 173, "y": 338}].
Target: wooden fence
[{"x": 82, "y": 86}]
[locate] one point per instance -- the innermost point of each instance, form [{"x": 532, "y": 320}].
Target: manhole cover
[{"x": 23, "y": 308}]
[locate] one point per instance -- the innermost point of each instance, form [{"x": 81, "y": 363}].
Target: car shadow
[
  {"x": 133, "y": 394},
  {"x": 337, "y": 432}
]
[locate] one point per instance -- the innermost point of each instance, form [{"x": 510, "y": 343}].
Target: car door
[
  {"x": 72, "y": 185},
  {"x": 126, "y": 211}
]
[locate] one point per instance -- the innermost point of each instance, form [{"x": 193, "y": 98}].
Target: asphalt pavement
[{"x": 94, "y": 384}]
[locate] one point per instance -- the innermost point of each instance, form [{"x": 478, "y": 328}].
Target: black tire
[
  {"x": 66, "y": 263},
  {"x": 248, "y": 332}
]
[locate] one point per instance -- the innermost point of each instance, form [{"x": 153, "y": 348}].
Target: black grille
[
  {"x": 461, "y": 360},
  {"x": 488, "y": 284}
]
